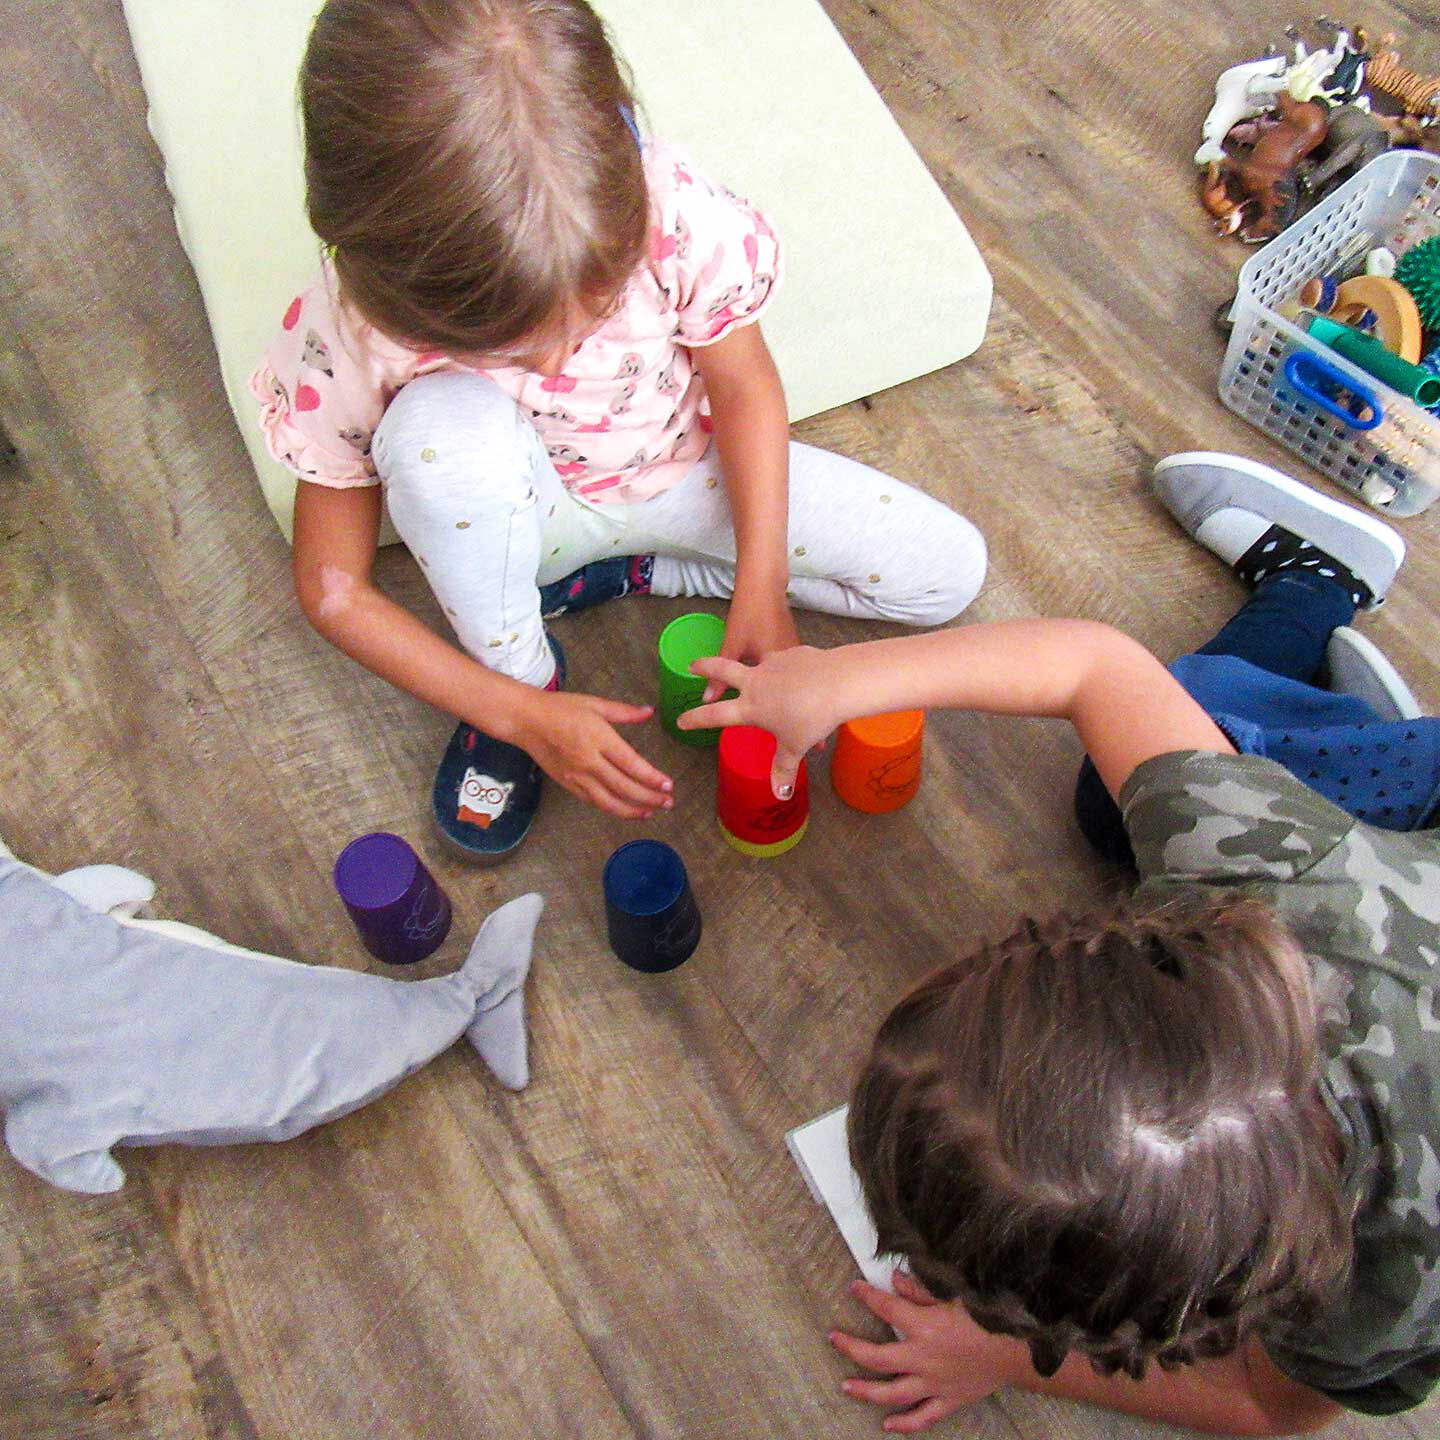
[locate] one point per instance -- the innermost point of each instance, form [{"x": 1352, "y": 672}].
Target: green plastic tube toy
[{"x": 1372, "y": 357}]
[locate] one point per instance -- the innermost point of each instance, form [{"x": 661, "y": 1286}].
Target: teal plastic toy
[{"x": 1373, "y": 357}]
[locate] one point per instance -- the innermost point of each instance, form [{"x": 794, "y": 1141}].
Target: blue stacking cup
[{"x": 650, "y": 911}]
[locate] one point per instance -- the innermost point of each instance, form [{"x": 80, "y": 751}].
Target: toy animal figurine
[
  {"x": 1354, "y": 138},
  {"x": 1215, "y": 196},
  {"x": 1347, "y": 80},
  {"x": 1240, "y": 92},
  {"x": 1307, "y": 79},
  {"x": 1247, "y": 132},
  {"x": 1417, "y": 94},
  {"x": 1258, "y": 194},
  {"x": 1412, "y": 131},
  {"x": 1335, "y": 73},
  {"x": 121, "y": 1031}
]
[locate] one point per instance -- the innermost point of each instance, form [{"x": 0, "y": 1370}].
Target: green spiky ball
[{"x": 1418, "y": 270}]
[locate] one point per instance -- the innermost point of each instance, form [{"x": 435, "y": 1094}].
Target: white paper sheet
[{"x": 823, "y": 1155}]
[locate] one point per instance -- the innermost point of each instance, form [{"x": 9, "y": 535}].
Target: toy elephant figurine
[
  {"x": 121, "y": 1031},
  {"x": 1355, "y": 137}
]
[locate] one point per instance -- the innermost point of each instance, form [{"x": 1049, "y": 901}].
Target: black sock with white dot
[{"x": 1279, "y": 549}]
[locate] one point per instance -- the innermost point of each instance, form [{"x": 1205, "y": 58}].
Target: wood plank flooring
[{"x": 625, "y": 1250}]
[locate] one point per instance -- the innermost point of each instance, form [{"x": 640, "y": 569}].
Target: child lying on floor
[{"x": 1200, "y": 1127}]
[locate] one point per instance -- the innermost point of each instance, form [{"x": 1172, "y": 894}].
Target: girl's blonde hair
[
  {"x": 472, "y": 165},
  {"x": 1106, "y": 1135}
]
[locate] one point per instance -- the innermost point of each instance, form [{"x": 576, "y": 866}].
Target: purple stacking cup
[{"x": 401, "y": 913}]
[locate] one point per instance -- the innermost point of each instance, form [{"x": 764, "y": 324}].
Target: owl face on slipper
[{"x": 482, "y": 798}]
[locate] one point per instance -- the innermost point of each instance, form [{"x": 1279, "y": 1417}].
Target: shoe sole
[
  {"x": 477, "y": 857},
  {"x": 1363, "y": 670},
  {"x": 1303, "y": 499}
]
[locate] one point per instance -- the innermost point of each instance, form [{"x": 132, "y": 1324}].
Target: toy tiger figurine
[{"x": 1417, "y": 93}]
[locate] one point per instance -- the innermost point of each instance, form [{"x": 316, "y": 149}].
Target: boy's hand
[
  {"x": 757, "y": 625},
  {"x": 787, "y": 693},
  {"x": 573, "y": 739},
  {"x": 942, "y": 1361}
]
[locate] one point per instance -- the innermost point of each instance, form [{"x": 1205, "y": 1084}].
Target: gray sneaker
[
  {"x": 1228, "y": 504},
  {"x": 1357, "y": 666}
]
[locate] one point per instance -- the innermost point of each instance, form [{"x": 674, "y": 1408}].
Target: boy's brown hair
[
  {"x": 1106, "y": 1135},
  {"x": 471, "y": 164}
]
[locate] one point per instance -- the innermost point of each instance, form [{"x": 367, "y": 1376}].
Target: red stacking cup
[{"x": 751, "y": 818}]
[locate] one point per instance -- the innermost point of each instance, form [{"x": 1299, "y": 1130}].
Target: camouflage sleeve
[
  {"x": 1365, "y": 906},
  {"x": 1404, "y": 1380},
  {"x": 1194, "y": 816}
]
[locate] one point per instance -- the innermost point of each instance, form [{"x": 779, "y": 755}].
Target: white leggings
[{"x": 474, "y": 495}]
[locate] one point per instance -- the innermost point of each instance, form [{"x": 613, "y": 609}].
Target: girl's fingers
[
  {"x": 922, "y": 1417},
  {"x": 783, "y": 773},
  {"x": 729, "y": 673},
  {"x": 894, "y": 1311},
  {"x": 710, "y": 717},
  {"x": 882, "y": 1359},
  {"x": 905, "y": 1390},
  {"x": 621, "y": 787},
  {"x": 621, "y": 712},
  {"x": 909, "y": 1288},
  {"x": 631, "y": 762},
  {"x": 596, "y": 793}
]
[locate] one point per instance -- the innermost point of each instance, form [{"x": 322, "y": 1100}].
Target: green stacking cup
[{"x": 684, "y": 639}]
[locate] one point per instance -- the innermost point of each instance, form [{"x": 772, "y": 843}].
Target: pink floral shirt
[{"x": 627, "y": 417}]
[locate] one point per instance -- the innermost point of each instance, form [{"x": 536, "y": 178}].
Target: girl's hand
[
  {"x": 573, "y": 739},
  {"x": 941, "y": 1362},
  {"x": 788, "y": 693},
  {"x": 756, "y": 626}
]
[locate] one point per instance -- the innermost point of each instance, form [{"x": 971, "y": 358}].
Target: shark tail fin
[{"x": 496, "y": 968}]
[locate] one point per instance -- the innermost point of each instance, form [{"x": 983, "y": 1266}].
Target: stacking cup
[
  {"x": 687, "y": 638},
  {"x": 751, "y": 818},
  {"x": 876, "y": 763},
  {"x": 650, "y": 912},
  {"x": 402, "y": 914}
]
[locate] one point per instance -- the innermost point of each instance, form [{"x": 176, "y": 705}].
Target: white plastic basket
[{"x": 1395, "y": 466}]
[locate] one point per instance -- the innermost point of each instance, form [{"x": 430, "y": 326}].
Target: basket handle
[{"x": 1298, "y": 361}]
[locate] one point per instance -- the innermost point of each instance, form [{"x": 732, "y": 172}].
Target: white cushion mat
[{"x": 883, "y": 282}]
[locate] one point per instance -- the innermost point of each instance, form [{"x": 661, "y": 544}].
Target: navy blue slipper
[
  {"x": 595, "y": 583},
  {"x": 487, "y": 792}
]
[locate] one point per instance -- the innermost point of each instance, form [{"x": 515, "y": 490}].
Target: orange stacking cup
[
  {"x": 876, "y": 765},
  {"x": 751, "y": 818}
]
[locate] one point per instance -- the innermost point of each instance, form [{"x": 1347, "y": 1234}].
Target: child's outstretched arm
[
  {"x": 572, "y": 737},
  {"x": 1123, "y": 702},
  {"x": 752, "y": 436},
  {"x": 944, "y": 1362}
]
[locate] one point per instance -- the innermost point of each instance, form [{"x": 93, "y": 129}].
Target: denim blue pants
[{"x": 1256, "y": 679}]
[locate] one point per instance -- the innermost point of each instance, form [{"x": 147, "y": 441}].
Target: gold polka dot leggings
[{"x": 475, "y": 497}]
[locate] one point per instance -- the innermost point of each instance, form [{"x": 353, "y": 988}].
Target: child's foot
[
  {"x": 486, "y": 792},
  {"x": 1357, "y": 666},
  {"x": 1259, "y": 521},
  {"x": 595, "y": 583}
]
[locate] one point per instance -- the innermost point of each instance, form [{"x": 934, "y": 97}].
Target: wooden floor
[{"x": 625, "y": 1250}]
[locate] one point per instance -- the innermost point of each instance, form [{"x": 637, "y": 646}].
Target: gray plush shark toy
[{"x": 116, "y": 1030}]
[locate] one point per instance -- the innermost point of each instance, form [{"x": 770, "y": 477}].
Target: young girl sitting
[
  {"x": 1201, "y": 1127},
  {"x": 535, "y": 333}
]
